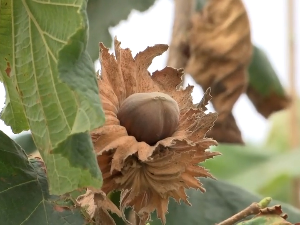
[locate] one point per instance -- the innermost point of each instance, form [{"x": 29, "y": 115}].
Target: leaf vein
[
  {"x": 55, "y": 38},
  {"x": 31, "y": 213},
  {"x": 16, "y": 186},
  {"x": 56, "y": 3}
]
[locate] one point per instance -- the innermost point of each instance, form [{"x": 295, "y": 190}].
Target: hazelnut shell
[{"x": 149, "y": 117}]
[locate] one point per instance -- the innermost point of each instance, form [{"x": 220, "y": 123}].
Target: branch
[
  {"x": 253, "y": 209},
  {"x": 179, "y": 47}
]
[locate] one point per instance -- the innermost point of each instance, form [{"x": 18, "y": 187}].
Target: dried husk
[
  {"x": 220, "y": 52},
  {"x": 149, "y": 175},
  {"x": 97, "y": 205}
]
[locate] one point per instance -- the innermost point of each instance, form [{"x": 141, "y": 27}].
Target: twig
[
  {"x": 253, "y": 209},
  {"x": 294, "y": 132},
  {"x": 179, "y": 47}
]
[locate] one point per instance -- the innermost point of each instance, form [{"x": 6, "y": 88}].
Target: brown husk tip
[
  {"x": 149, "y": 174},
  {"x": 97, "y": 205}
]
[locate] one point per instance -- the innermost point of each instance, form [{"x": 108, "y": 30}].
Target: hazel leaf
[
  {"x": 56, "y": 83},
  {"x": 24, "y": 195},
  {"x": 13, "y": 113}
]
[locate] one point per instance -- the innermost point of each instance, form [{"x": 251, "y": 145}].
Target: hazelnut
[{"x": 149, "y": 117}]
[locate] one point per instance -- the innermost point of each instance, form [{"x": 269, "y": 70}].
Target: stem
[
  {"x": 294, "y": 132},
  {"x": 253, "y": 209},
  {"x": 179, "y": 46}
]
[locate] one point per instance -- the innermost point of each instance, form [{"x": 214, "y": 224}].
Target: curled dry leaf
[
  {"x": 266, "y": 105},
  {"x": 97, "y": 205},
  {"x": 227, "y": 131},
  {"x": 163, "y": 162},
  {"x": 220, "y": 52}
]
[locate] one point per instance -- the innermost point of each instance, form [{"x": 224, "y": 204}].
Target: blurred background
[{"x": 264, "y": 165}]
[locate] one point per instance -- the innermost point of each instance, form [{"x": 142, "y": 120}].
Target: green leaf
[
  {"x": 80, "y": 167},
  {"x": 13, "y": 113},
  {"x": 105, "y": 14},
  {"x": 264, "y": 89},
  {"x": 57, "y": 84},
  {"x": 24, "y": 196},
  {"x": 221, "y": 201}
]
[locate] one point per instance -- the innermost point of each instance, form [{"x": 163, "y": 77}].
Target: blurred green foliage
[
  {"x": 221, "y": 201},
  {"x": 278, "y": 137},
  {"x": 257, "y": 169}
]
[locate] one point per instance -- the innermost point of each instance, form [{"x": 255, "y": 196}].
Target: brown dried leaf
[
  {"x": 221, "y": 49},
  {"x": 226, "y": 131}
]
